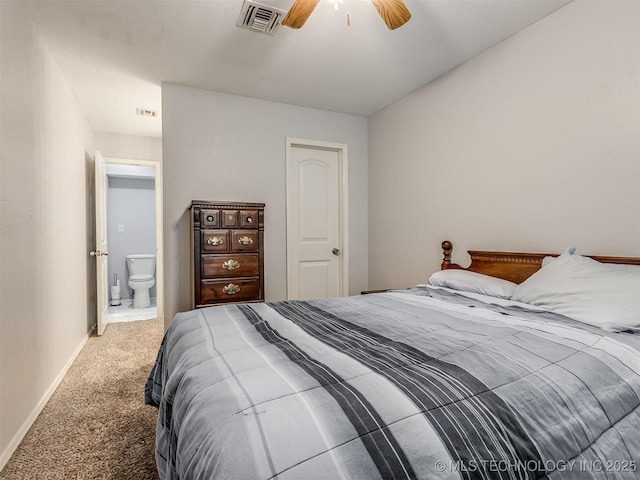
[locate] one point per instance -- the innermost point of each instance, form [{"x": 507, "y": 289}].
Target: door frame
[
  {"x": 342, "y": 150},
  {"x": 101, "y": 243},
  {"x": 159, "y": 226}
]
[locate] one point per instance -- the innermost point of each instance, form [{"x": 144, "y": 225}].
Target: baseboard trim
[{"x": 19, "y": 436}]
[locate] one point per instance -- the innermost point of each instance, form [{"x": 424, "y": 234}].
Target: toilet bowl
[{"x": 141, "y": 270}]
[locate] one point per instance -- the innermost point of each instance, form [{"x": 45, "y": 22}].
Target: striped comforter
[{"x": 421, "y": 383}]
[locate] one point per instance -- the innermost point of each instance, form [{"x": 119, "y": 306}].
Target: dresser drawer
[
  {"x": 210, "y": 218},
  {"x": 230, "y": 219},
  {"x": 249, "y": 219},
  {"x": 214, "y": 241},
  {"x": 239, "y": 265},
  {"x": 236, "y": 290},
  {"x": 244, "y": 241}
]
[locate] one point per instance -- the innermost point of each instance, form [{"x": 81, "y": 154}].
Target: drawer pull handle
[
  {"x": 231, "y": 289},
  {"x": 230, "y": 265},
  {"x": 215, "y": 241},
  {"x": 245, "y": 240}
]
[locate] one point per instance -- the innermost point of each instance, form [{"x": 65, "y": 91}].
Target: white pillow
[
  {"x": 569, "y": 251},
  {"x": 473, "y": 282},
  {"x": 600, "y": 294}
]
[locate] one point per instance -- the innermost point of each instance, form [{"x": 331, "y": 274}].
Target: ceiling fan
[{"x": 393, "y": 12}]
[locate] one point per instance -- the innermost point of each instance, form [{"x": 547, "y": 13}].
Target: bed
[{"x": 456, "y": 378}]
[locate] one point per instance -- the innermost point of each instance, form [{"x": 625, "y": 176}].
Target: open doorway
[{"x": 134, "y": 236}]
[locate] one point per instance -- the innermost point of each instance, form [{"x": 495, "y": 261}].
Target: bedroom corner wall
[
  {"x": 225, "y": 147},
  {"x": 45, "y": 160},
  {"x": 533, "y": 145}
]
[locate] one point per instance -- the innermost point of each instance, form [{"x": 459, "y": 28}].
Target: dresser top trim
[{"x": 238, "y": 205}]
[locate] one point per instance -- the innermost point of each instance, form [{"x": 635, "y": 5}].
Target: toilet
[{"x": 141, "y": 269}]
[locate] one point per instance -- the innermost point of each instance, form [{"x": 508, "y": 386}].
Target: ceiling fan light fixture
[
  {"x": 394, "y": 13},
  {"x": 299, "y": 12}
]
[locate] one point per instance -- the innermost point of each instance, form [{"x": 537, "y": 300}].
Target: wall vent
[
  {"x": 260, "y": 18},
  {"x": 146, "y": 112}
]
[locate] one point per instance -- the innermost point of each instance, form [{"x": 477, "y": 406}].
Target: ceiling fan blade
[
  {"x": 299, "y": 12},
  {"x": 393, "y": 12}
]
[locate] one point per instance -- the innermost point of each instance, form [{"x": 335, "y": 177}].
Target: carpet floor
[{"x": 96, "y": 426}]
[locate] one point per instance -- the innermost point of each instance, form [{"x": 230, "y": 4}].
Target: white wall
[
  {"x": 532, "y": 146},
  {"x": 226, "y": 147},
  {"x": 45, "y": 142},
  {"x": 128, "y": 146}
]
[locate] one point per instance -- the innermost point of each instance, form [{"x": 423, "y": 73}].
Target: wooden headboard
[{"x": 513, "y": 266}]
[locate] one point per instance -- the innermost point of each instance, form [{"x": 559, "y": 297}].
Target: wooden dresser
[{"x": 227, "y": 261}]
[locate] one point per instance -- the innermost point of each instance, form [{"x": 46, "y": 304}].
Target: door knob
[{"x": 335, "y": 251}]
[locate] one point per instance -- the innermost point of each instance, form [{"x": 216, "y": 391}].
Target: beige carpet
[{"x": 96, "y": 425}]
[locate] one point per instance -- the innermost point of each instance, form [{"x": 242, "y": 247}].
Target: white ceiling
[{"x": 115, "y": 54}]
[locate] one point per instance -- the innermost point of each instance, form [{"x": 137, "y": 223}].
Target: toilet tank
[{"x": 141, "y": 264}]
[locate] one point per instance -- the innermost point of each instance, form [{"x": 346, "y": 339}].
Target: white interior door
[
  {"x": 101, "y": 251},
  {"x": 316, "y": 220}
]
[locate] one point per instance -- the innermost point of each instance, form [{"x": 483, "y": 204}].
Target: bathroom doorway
[{"x": 134, "y": 228}]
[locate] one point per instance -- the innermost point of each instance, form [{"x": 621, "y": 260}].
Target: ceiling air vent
[
  {"x": 260, "y": 18},
  {"x": 146, "y": 112}
]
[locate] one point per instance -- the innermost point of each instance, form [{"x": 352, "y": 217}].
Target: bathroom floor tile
[{"x": 126, "y": 313}]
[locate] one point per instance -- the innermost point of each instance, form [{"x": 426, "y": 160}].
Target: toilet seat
[{"x": 140, "y": 278}]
